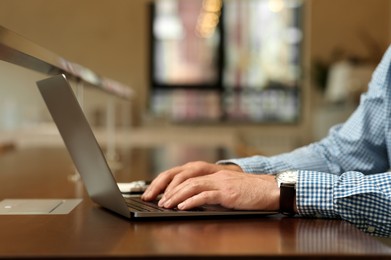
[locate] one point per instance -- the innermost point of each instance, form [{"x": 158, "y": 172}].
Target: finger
[
  {"x": 185, "y": 190},
  {"x": 180, "y": 178},
  {"x": 169, "y": 179},
  {"x": 203, "y": 198},
  {"x": 189, "y": 170},
  {"x": 159, "y": 184}
]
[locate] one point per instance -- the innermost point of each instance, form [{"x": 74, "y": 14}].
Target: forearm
[
  {"x": 364, "y": 200},
  {"x": 305, "y": 158}
]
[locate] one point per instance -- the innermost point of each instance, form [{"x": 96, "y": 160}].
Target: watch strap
[{"x": 287, "y": 197}]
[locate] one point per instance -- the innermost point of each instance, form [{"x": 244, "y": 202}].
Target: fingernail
[
  {"x": 181, "y": 206},
  {"x": 145, "y": 195},
  {"x": 161, "y": 202},
  {"x": 167, "y": 204}
]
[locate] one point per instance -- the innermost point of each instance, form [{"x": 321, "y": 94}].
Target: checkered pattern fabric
[{"x": 345, "y": 175}]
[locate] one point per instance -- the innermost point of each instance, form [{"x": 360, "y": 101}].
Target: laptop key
[{"x": 138, "y": 204}]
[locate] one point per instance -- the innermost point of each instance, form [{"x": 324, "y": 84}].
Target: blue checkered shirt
[{"x": 345, "y": 175}]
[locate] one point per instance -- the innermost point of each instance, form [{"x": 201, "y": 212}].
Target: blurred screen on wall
[{"x": 232, "y": 60}]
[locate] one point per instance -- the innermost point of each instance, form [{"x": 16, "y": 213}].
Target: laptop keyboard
[{"x": 138, "y": 204}]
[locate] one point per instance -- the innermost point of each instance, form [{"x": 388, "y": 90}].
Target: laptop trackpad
[{"x": 36, "y": 206}]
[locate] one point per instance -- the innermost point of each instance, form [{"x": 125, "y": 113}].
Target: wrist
[
  {"x": 273, "y": 192},
  {"x": 286, "y": 181},
  {"x": 232, "y": 167}
]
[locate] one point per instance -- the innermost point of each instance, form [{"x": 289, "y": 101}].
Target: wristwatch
[{"x": 286, "y": 181}]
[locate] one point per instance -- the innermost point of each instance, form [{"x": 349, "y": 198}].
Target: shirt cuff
[{"x": 315, "y": 194}]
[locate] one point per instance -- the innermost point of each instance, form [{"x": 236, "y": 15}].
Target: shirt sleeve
[
  {"x": 363, "y": 200},
  {"x": 359, "y": 144},
  {"x": 345, "y": 174}
]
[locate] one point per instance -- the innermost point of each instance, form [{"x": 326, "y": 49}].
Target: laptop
[{"x": 92, "y": 166}]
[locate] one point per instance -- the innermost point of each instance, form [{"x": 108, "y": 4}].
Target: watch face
[{"x": 288, "y": 177}]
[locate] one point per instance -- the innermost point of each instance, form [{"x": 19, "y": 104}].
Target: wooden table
[{"x": 91, "y": 232}]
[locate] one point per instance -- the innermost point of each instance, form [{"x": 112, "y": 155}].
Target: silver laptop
[{"x": 92, "y": 165}]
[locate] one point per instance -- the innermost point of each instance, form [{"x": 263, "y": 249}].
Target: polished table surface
[{"x": 89, "y": 231}]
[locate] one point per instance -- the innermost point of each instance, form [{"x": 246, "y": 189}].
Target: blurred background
[{"x": 254, "y": 76}]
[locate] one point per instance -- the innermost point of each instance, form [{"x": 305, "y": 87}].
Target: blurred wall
[
  {"x": 349, "y": 25},
  {"x": 106, "y": 36},
  {"x": 111, "y": 38}
]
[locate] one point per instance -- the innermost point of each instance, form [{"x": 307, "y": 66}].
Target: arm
[
  {"x": 364, "y": 200},
  {"x": 337, "y": 176},
  {"x": 359, "y": 144}
]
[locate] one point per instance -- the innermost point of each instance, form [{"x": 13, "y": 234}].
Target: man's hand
[
  {"x": 173, "y": 177},
  {"x": 199, "y": 183}
]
